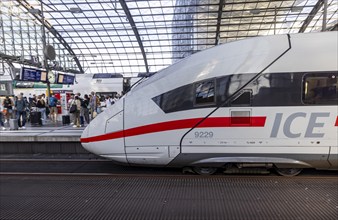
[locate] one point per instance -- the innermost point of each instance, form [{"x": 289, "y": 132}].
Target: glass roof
[{"x": 131, "y": 37}]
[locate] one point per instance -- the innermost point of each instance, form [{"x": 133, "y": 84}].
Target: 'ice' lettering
[{"x": 288, "y": 124}]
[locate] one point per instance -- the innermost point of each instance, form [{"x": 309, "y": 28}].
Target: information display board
[
  {"x": 33, "y": 75},
  {"x": 65, "y": 79}
]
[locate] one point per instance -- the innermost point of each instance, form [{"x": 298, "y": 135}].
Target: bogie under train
[{"x": 261, "y": 102}]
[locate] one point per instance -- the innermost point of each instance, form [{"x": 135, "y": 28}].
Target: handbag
[
  {"x": 73, "y": 108},
  {"x": 94, "y": 114}
]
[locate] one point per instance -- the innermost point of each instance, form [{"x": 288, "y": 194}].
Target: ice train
[{"x": 261, "y": 102}]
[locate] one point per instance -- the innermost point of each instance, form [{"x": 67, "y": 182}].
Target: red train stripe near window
[{"x": 181, "y": 124}]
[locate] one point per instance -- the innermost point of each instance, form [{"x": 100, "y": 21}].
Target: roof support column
[
  {"x": 324, "y": 15},
  {"x": 51, "y": 29},
  {"x": 219, "y": 19},
  {"x": 312, "y": 14}
]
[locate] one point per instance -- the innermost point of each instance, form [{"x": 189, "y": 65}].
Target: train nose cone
[{"x": 104, "y": 135}]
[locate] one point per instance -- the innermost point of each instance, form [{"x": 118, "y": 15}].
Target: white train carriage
[
  {"x": 101, "y": 83},
  {"x": 265, "y": 101}
]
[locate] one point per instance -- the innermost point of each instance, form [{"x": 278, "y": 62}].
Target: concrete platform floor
[{"x": 49, "y": 132}]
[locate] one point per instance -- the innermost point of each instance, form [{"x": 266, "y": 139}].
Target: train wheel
[
  {"x": 205, "y": 170},
  {"x": 288, "y": 171}
]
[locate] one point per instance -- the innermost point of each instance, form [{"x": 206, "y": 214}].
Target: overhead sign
[
  {"x": 24, "y": 84},
  {"x": 20, "y": 84},
  {"x": 65, "y": 79},
  {"x": 33, "y": 75}
]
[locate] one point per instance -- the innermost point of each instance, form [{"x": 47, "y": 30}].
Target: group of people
[
  {"x": 84, "y": 109},
  {"x": 20, "y": 107},
  {"x": 14, "y": 108}
]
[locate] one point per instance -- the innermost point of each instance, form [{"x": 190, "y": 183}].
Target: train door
[
  {"x": 224, "y": 129},
  {"x": 115, "y": 126}
]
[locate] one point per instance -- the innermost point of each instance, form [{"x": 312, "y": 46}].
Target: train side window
[
  {"x": 244, "y": 99},
  {"x": 320, "y": 89},
  {"x": 205, "y": 92}
]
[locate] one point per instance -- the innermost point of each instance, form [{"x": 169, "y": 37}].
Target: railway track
[
  {"x": 102, "y": 167},
  {"x": 99, "y": 189}
]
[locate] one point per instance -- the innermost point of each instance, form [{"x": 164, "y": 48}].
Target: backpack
[
  {"x": 111, "y": 101},
  {"x": 73, "y": 107},
  {"x": 52, "y": 102},
  {"x": 7, "y": 103},
  {"x": 40, "y": 103}
]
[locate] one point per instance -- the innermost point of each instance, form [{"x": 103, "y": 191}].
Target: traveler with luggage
[
  {"x": 41, "y": 105},
  {"x": 8, "y": 108},
  {"x": 32, "y": 101},
  {"x": 75, "y": 109},
  {"x": 20, "y": 106}
]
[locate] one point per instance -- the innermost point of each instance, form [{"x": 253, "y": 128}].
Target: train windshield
[{"x": 144, "y": 77}]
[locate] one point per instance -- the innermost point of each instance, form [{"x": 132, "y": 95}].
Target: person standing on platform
[
  {"x": 90, "y": 107},
  {"x": 13, "y": 115},
  {"x": 77, "y": 112},
  {"x": 53, "y": 108},
  {"x": 84, "y": 108},
  {"x": 44, "y": 98},
  {"x": 41, "y": 105},
  {"x": 32, "y": 102},
  {"x": 109, "y": 101},
  {"x": 8, "y": 108},
  {"x": 69, "y": 103},
  {"x": 116, "y": 98},
  {"x": 92, "y": 104},
  {"x": 1, "y": 119},
  {"x": 98, "y": 104},
  {"x": 20, "y": 106},
  {"x": 26, "y": 101},
  {"x": 81, "y": 112}
]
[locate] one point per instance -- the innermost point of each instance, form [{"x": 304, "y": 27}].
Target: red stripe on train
[
  {"x": 181, "y": 124},
  {"x": 336, "y": 121}
]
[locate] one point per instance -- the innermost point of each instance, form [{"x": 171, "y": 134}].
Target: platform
[
  {"x": 46, "y": 133},
  {"x": 49, "y": 138}
]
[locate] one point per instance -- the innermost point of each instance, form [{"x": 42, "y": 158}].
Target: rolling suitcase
[
  {"x": 36, "y": 118},
  {"x": 13, "y": 124},
  {"x": 65, "y": 119}
]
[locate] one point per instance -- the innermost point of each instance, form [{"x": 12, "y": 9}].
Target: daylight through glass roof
[{"x": 132, "y": 37}]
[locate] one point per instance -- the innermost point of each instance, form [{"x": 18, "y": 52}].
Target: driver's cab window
[{"x": 205, "y": 92}]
